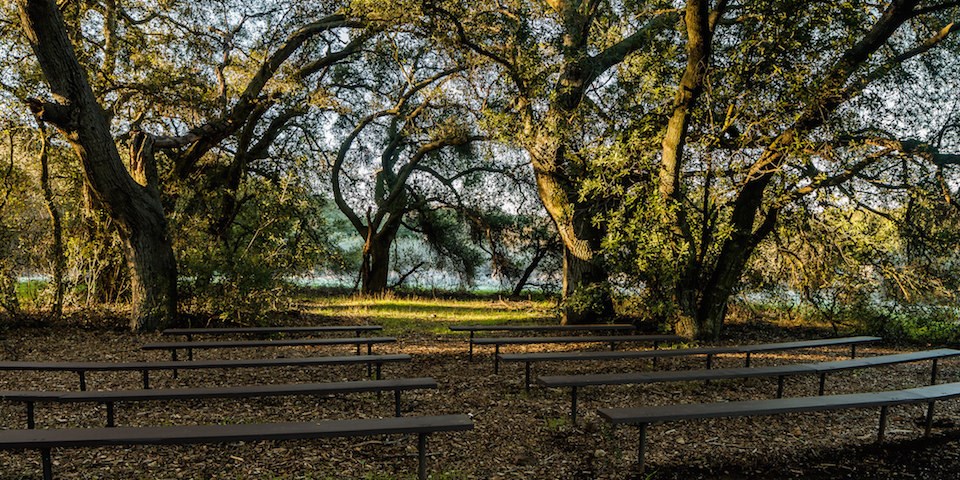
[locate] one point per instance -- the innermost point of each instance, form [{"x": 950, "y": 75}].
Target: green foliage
[{"x": 242, "y": 272}]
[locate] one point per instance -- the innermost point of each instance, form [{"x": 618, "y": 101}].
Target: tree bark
[
  {"x": 586, "y": 293},
  {"x": 135, "y": 206},
  {"x": 376, "y": 263},
  {"x": 57, "y": 257}
]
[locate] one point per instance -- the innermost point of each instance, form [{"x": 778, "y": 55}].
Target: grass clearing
[{"x": 431, "y": 315}]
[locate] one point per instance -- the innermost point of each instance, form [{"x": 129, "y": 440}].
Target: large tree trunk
[
  {"x": 153, "y": 276},
  {"x": 586, "y": 293},
  {"x": 376, "y": 264},
  {"x": 134, "y": 203}
]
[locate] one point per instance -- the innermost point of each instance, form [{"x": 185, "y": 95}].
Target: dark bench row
[
  {"x": 110, "y": 398},
  {"x": 45, "y": 440},
  {"x": 190, "y": 332},
  {"x": 296, "y": 342},
  {"x": 644, "y": 416},
  {"x": 81, "y": 368},
  {"x": 710, "y": 352},
  {"x": 613, "y": 340},
  {"x": 473, "y": 329},
  {"x": 574, "y": 382}
]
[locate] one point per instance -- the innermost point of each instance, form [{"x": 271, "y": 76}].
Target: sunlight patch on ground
[{"x": 429, "y": 315}]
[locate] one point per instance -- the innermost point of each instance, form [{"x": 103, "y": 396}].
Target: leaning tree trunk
[{"x": 134, "y": 204}]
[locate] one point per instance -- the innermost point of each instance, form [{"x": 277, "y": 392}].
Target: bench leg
[
  {"x": 470, "y": 353},
  {"x": 526, "y": 377},
  {"x": 655, "y": 362},
  {"x": 496, "y": 359},
  {"x": 853, "y": 351},
  {"x": 883, "y": 423},
  {"x": 47, "y": 464},
  {"x": 928, "y": 424},
  {"x": 146, "y": 379},
  {"x": 379, "y": 370},
  {"x": 823, "y": 381},
  {"x": 746, "y": 362},
  {"x": 573, "y": 405},
  {"x": 83, "y": 380},
  {"x": 190, "y": 354},
  {"x": 933, "y": 372},
  {"x": 422, "y": 456},
  {"x": 641, "y": 451},
  {"x": 396, "y": 403},
  {"x": 709, "y": 361},
  {"x": 110, "y": 415},
  {"x": 31, "y": 422},
  {"x": 174, "y": 358},
  {"x": 780, "y": 386}
]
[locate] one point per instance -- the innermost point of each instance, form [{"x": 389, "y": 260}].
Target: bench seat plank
[
  {"x": 244, "y": 391},
  {"x": 188, "y": 434},
  {"x": 583, "y": 356},
  {"x": 47, "y": 439},
  {"x": 270, "y": 330},
  {"x": 197, "y": 364},
  {"x": 266, "y": 343},
  {"x": 824, "y": 342},
  {"x": 668, "y": 413},
  {"x": 728, "y": 373},
  {"x": 611, "y": 339},
  {"x": 780, "y": 371},
  {"x": 145, "y": 367},
  {"x": 576, "y": 339},
  {"x": 644, "y": 416},
  {"x": 710, "y": 352},
  {"x": 109, "y": 397},
  {"x": 601, "y": 327},
  {"x": 543, "y": 328},
  {"x": 663, "y": 376}
]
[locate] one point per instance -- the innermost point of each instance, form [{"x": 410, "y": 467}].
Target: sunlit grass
[{"x": 431, "y": 315}]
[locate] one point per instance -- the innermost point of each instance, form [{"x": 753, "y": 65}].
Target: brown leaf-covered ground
[{"x": 517, "y": 436}]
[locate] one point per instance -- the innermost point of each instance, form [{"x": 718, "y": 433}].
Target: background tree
[
  {"x": 133, "y": 196},
  {"x": 406, "y": 147}
]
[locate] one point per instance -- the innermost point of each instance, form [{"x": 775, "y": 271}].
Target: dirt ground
[{"x": 516, "y": 435}]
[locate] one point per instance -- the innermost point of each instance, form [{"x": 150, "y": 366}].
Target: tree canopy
[{"x": 681, "y": 152}]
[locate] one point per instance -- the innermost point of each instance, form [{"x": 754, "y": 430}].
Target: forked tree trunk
[
  {"x": 586, "y": 293},
  {"x": 135, "y": 205}
]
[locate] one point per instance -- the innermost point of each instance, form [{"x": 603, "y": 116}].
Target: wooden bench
[
  {"x": 613, "y": 340},
  {"x": 110, "y": 398},
  {"x": 81, "y": 368},
  {"x": 575, "y": 382},
  {"x": 603, "y": 327},
  {"x": 710, "y": 352},
  {"x": 644, "y": 416},
  {"x": 298, "y": 342},
  {"x": 190, "y": 332},
  {"x": 45, "y": 440}
]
